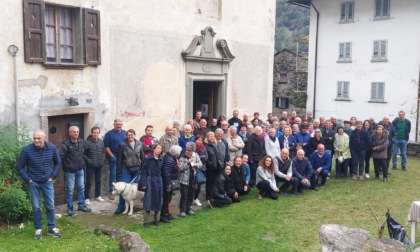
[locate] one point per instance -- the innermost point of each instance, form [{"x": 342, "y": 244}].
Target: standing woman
[
  {"x": 342, "y": 148},
  {"x": 272, "y": 145},
  {"x": 256, "y": 150},
  {"x": 368, "y": 128},
  {"x": 379, "y": 151},
  {"x": 235, "y": 144},
  {"x": 213, "y": 167},
  {"x": 287, "y": 141},
  {"x": 266, "y": 181},
  {"x": 129, "y": 158},
  {"x": 315, "y": 140},
  {"x": 189, "y": 163},
  {"x": 202, "y": 153},
  {"x": 170, "y": 166},
  {"x": 151, "y": 183}
]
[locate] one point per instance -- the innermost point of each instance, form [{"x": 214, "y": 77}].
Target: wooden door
[{"x": 58, "y": 131}]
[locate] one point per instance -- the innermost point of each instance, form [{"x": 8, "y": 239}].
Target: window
[
  {"x": 282, "y": 102},
  {"x": 344, "y": 52},
  {"x": 377, "y": 92},
  {"x": 382, "y": 9},
  {"x": 379, "y": 50},
  {"x": 61, "y": 36},
  {"x": 283, "y": 78},
  {"x": 343, "y": 90},
  {"x": 347, "y": 12}
]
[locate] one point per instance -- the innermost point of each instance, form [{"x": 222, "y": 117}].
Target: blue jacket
[
  {"x": 301, "y": 168},
  {"x": 360, "y": 140},
  {"x": 112, "y": 139},
  {"x": 304, "y": 140},
  {"x": 39, "y": 163},
  {"x": 317, "y": 161},
  {"x": 182, "y": 141},
  {"x": 292, "y": 143}
]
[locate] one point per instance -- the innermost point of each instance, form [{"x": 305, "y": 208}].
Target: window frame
[
  {"x": 346, "y": 7},
  {"x": 340, "y": 90},
  {"x": 282, "y": 79},
  {"x": 375, "y": 92},
  {"x": 381, "y": 15},
  {"x": 279, "y": 102},
  {"x": 347, "y": 49},
  {"x": 381, "y": 50}
]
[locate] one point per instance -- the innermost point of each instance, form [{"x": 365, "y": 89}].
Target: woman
[
  {"x": 255, "y": 122},
  {"x": 186, "y": 137},
  {"x": 353, "y": 122},
  {"x": 235, "y": 144},
  {"x": 256, "y": 150},
  {"x": 151, "y": 183},
  {"x": 189, "y": 163},
  {"x": 272, "y": 146},
  {"x": 288, "y": 141},
  {"x": 295, "y": 129},
  {"x": 247, "y": 172},
  {"x": 237, "y": 177},
  {"x": 266, "y": 182},
  {"x": 176, "y": 129},
  {"x": 342, "y": 151},
  {"x": 129, "y": 158},
  {"x": 219, "y": 195},
  {"x": 368, "y": 128},
  {"x": 311, "y": 129},
  {"x": 379, "y": 151},
  {"x": 202, "y": 153},
  {"x": 315, "y": 140},
  {"x": 170, "y": 166},
  {"x": 213, "y": 165}
]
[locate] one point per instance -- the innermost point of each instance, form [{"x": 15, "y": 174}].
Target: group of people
[{"x": 230, "y": 157}]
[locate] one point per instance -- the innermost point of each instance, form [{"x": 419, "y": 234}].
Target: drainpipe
[
  {"x": 316, "y": 57},
  {"x": 12, "y": 49},
  {"x": 418, "y": 107}
]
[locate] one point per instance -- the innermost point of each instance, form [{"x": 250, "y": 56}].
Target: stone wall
[{"x": 413, "y": 149}]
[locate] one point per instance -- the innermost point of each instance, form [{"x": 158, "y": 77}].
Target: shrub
[{"x": 14, "y": 203}]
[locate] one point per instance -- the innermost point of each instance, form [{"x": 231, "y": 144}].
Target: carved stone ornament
[{"x": 207, "y": 46}]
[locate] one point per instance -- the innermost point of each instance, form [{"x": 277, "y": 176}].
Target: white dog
[{"x": 128, "y": 192}]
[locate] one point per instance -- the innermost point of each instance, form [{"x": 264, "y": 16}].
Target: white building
[{"x": 364, "y": 58}]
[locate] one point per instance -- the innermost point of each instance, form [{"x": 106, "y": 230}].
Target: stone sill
[
  {"x": 379, "y": 60},
  {"x": 384, "y": 102},
  {"x": 344, "y": 61},
  {"x": 344, "y": 100},
  {"x": 381, "y": 18},
  {"x": 65, "y": 66},
  {"x": 346, "y": 22}
]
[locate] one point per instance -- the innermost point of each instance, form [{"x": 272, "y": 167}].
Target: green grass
[{"x": 290, "y": 223}]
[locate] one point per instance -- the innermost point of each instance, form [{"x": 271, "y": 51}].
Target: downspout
[
  {"x": 12, "y": 49},
  {"x": 418, "y": 107},
  {"x": 316, "y": 58}
]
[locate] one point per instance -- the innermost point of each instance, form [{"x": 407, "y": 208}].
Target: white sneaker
[
  {"x": 197, "y": 202},
  {"x": 87, "y": 202},
  {"x": 100, "y": 199},
  {"x": 367, "y": 175}
]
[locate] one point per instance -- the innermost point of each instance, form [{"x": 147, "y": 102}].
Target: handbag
[
  {"x": 340, "y": 158},
  {"x": 176, "y": 185},
  {"x": 201, "y": 178}
]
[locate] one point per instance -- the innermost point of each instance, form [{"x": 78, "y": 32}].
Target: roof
[{"x": 302, "y": 3}]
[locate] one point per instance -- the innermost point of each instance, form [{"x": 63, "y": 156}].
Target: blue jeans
[
  {"x": 400, "y": 145},
  {"x": 47, "y": 189},
  {"x": 90, "y": 171},
  {"x": 126, "y": 176},
  {"x": 112, "y": 172},
  {"x": 71, "y": 178}
]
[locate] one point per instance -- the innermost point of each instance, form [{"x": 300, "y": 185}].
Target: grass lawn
[{"x": 290, "y": 223}]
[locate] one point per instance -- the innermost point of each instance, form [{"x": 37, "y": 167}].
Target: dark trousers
[
  {"x": 286, "y": 184},
  {"x": 90, "y": 172},
  {"x": 187, "y": 195},
  {"x": 351, "y": 166},
  {"x": 265, "y": 188},
  {"x": 253, "y": 170},
  {"x": 315, "y": 178},
  {"x": 197, "y": 191},
  {"x": 389, "y": 156},
  {"x": 341, "y": 169},
  {"x": 380, "y": 165},
  {"x": 367, "y": 161},
  {"x": 230, "y": 195},
  {"x": 167, "y": 198},
  {"x": 358, "y": 162},
  {"x": 222, "y": 202},
  {"x": 210, "y": 177}
]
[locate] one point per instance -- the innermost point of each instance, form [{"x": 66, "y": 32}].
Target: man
[
  {"x": 402, "y": 128},
  {"x": 111, "y": 140},
  {"x": 168, "y": 140},
  {"x": 309, "y": 117},
  {"x": 359, "y": 144},
  {"x": 334, "y": 123},
  {"x": 298, "y": 121},
  {"x": 292, "y": 118},
  {"x": 303, "y": 138},
  {"x": 321, "y": 164},
  {"x": 222, "y": 147},
  {"x": 202, "y": 129},
  {"x": 270, "y": 118},
  {"x": 235, "y": 120},
  {"x": 283, "y": 124},
  {"x": 283, "y": 116},
  {"x": 372, "y": 123},
  {"x": 284, "y": 172},
  {"x": 197, "y": 118},
  {"x": 321, "y": 121},
  {"x": 315, "y": 123},
  {"x": 388, "y": 126},
  {"x": 225, "y": 126},
  {"x": 328, "y": 135},
  {"x": 347, "y": 128},
  {"x": 148, "y": 140},
  {"x": 302, "y": 171},
  {"x": 71, "y": 153},
  {"x": 42, "y": 164},
  {"x": 257, "y": 116},
  {"x": 245, "y": 119},
  {"x": 213, "y": 127},
  {"x": 94, "y": 155}
]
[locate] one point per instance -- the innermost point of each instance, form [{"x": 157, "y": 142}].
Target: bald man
[
  {"x": 302, "y": 171},
  {"x": 71, "y": 153},
  {"x": 283, "y": 171},
  {"x": 168, "y": 140}
]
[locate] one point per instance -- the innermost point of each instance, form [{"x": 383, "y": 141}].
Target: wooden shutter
[
  {"x": 385, "y": 8},
  {"x": 373, "y": 95},
  {"x": 348, "y": 51},
  {"x": 286, "y": 102},
  {"x": 383, "y": 49},
  {"x": 378, "y": 4},
  {"x": 375, "y": 49},
  {"x": 341, "y": 51},
  {"x": 345, "y": 93},
  {"x": 381, "y": 91},
  {"x": 339, "y": 90},
  {"x": 278, "y": 102},
  {"x": 343, "y": 12},
  {"x": 92, "y": 36},
  {"x": 350, "y": 11},
  {"x": 33, "y": 30}
]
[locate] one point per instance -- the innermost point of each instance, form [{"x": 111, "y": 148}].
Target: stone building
[{"x": 289, "y": 82}]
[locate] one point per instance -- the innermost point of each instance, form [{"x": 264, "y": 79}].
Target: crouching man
[{"x": 302, "y": 171}]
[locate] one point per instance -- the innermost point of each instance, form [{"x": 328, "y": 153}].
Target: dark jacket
[
  {"x": 201, "y": 131},
  {"x": 94, "y": 152},
  {"x": 202, "y": 154},
  {"x": 41, "y": 164},
  {"x": 128, "y": 157},
  {"x": 151, "y": 178},
  {"x": 407, "y": 128},
  {"x": 301, "y": 168},
  {"x": 391, "y": 133},
  {"x": 212, "y": 161},
  {"x": 328, "y": 138},
  {"x": 313, "y": 143},
  {"x": 218, "y": 189},
  {"x": 381, "y": 144},
  {"x": 255, "y": 148},
  {"x": 71, "y": 154},
  {"x": 237, "y": 178},
  {"x": 169, "y": 167},
  {"x": 360, "y": 141}
]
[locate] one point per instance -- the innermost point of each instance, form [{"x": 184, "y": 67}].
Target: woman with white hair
[
  {"x": 189, "y": 163},
  {"x": 186, "y": 137},
  {"x": 272, "y": 146},
  {"x": 256, "y": 150},
  {"x": 235, "y": 144},
  {"x": 170, "y": 166}
]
